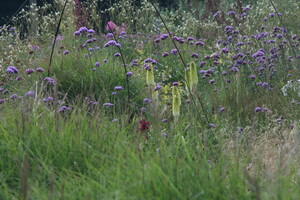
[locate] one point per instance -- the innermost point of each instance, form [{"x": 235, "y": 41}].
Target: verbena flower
[
  {"x": 39, "y": 69},
  {"x": 29, "y": 71},
  {"x": 30, "y": 94},
  {"x": 49, "y": 80},
  {"x": 12, "y": 70},
  {"x": 118, "y": 88},
  {"x": 108, "y": 105},
  {"x": 129, "y": 74},
  {"x": 66, "y": 52}
]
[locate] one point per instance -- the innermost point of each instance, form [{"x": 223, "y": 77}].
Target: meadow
[{"x": 164, "y": 104}]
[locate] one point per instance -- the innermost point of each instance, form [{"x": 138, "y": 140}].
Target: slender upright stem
[{"x": 55, "y": 36}]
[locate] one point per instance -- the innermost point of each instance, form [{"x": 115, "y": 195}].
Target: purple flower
[
  {"x": 199, "y": 43},
  {"x": 29, "y": 71},
  {"x": 175, "y": 83},
  {"x": 271, "y": 14},
  {"x": 2, "y": 101},
  {"x": 252, "y": 76},
  {"x": 48, "y": 99},
  {"x": 258, "y": 109},
  {"x": 195, "y": 55},
  {"x": 83, "y": 29},
  {"x": 39, "y": 69},
  {"x": 97, "y": 64},
  {"x": 64, "y": 108},
  {"x": 146, "y": 100},
  {"x": 14, "y": 96},
  {"x": 66, "y": 52},
  {"x": 164, "y": 120},
  {"x": 128, "y": 74},
  {"x": 164, "y": 36},
  {"x": 110, "y": 35},
  {"x": 76, "y": 33},
  {"x": 231, "y": 13},
  {"x": 18, "y": 78},
  {"x": 91, "y": 49},
  {"x": 30, "y": 94},
  {"x": 225, "y": 50},
  {"x": 157, "y": 87},
  {"x": 12, "y": 70},
  {"x": 173, "y": 51},
  {"x": 108, "y": 105},
  {"x": 222, "y": 109},
  {"x": 212, "y": 81},
  {"x": 211, "y": 125},
  {"x": 117, "y": 54},
  {"x": 118, "y": 88},
  {"x": 91, "y": 31},
  {"x": 115, "y": 120},
  {"x": 165, "y": 54},
  {"x": 49, "y": 80}
]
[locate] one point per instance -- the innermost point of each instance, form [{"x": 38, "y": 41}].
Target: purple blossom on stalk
[
  {"x": 48, "y": 99},
  {"x": 216, "y": 14},
  {"x": 164, "y": 120},
  {"x": 195, "y": 55},
  {"x": 108, "y": 105},
  {"x": 83, "y": 29},
  {"x": 202, "y": 64},
  {"x": 117, "y": 54},
  {"x": 221, "y": 109},
  {"x": 39, "y": 69},
  {"x": 29, "y": 71},
  {"x": 252, "y": 76},
  {"x": 18, "y": 78},
  {"x": 165, "y": 54},
  {"x": 231, "y": 13},
  {"x": 157, "y": 87},
  {"x": 91, "y": 31},
  {"x": 199, "y": 43},
  {"x": 190, "y": 38},
  {"x": 12, "y": 70},
  {"x": 91, "y": 49},
  {"x": 212, "y": 81},
  {"x": 49, "y": 80},
  {"x": 66, "y": 52},
  {"x": 110, "y": 35},
  {"x": 129, "y": 74},
  {"x": 89, "y": 41},
  {"x": 164, "y": 36},
  {"x": 97, "y": 64},
  {"x": 2, "y": 101},
  {"x": 175, "y": 84},
  {"x": 211, "y": 125},
  {"x": 118, "y": 88},
  {"x": 225, "y": 50},
  {"x": 64, "y": 108},
  {"x": 30, "y": 94},
  {"x": 146, "y": 100},
  {"x": 157, "y": 40},
  {"x": 258, "y": 109},
  {"x": 271, "y": 14},
  {"x": 13, "y": 96},
  {"x": 76, "y": 33},
  {"x": 174, "y": 51}
]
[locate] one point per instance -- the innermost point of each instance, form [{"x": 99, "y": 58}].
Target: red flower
[{"x": 144, "y": 125}]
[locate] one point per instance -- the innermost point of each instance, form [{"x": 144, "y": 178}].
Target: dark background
[{"x": 9, "y": 7}]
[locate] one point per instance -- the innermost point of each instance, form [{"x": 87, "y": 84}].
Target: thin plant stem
[{"x": 55, "y": 37}]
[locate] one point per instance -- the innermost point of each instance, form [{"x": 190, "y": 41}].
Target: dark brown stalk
[
  {"x": 55, "y": 36},
  {"x": 183, "y": 62}
]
